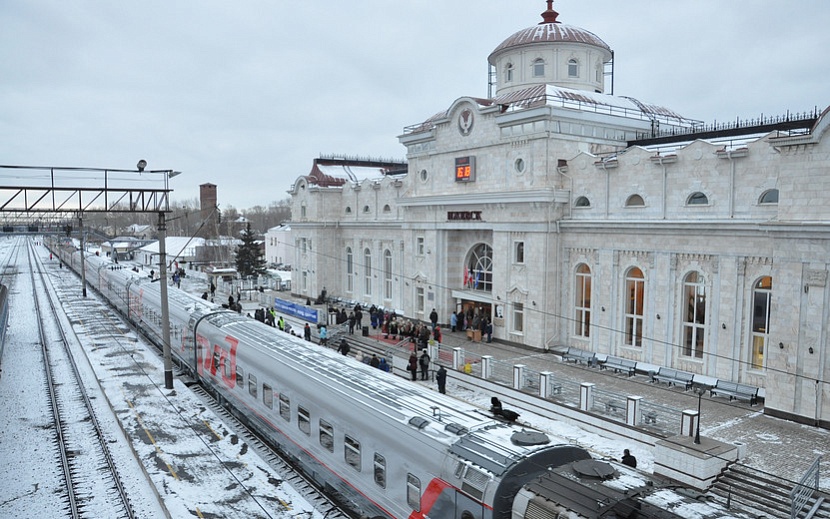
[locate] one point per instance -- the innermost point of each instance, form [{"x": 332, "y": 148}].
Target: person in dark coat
[
  {"x": 375, "y": 362},
  {"x": 629, "y": 459},
  {"x": 424, "y": 362},
  {"x": 441, "y": 378},
  {"x": 413, "y": 365},
  {"x": 433, "y": 318},
  {"x": 307, "y": 332},
  {"x": 344, "y": 347}
]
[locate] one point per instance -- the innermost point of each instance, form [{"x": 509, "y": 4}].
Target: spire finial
[{"x": 550, "y": 15}]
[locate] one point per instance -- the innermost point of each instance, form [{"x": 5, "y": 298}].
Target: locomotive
[{"x": 381, "y": 445}]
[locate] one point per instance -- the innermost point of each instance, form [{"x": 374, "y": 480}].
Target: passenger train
[{"x": 382, "y": 445}]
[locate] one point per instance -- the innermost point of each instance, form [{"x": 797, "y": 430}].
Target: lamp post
[{"x": 700, "y": 391}]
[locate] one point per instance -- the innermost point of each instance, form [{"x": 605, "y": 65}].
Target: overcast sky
[{"x": 246, "y": 94}]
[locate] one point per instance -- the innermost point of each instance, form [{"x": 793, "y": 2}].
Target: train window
[
  {"x": 285, "y": 408},
  {"x": 215, "y": 362},
  {"x": 303, "y": 420},
  {"x": 252, "y": 384},
  {"x": 352, "y": 452},
  {"x": 326, "y": 435},
  {"x": 380, "y": 470},
  {"x": 267, "y": 396},
  {"x": 240, "y": 377},
  {"x": 413, "y": 492},
  {"x": 226, "y": 368}
]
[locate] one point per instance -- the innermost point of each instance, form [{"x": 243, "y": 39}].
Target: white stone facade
[{"x": 706, "y": 257}]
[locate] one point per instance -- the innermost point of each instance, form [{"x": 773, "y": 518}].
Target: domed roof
[{"x": 549, "y": 30}]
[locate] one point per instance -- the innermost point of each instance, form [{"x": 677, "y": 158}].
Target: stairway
[{"x": 761, "y": 493}]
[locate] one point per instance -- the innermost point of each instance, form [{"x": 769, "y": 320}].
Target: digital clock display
[{"x": 465, "y": 169}]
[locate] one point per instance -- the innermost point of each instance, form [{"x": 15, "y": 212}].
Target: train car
[{"x": 383, "y": 446}]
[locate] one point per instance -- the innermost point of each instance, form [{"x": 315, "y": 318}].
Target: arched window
[
  {"x": 387, "y": 209},
  {"x": 573, "y": 68},
  {"x": 760, "y": 321},
  {"x": 538, "y": 67},
  {"x": 769, "y": 197},
  {"x": 508, "y": 73},
  {"x": 582, "y": 201},
  {"x": 582, "y": 301},
  {"x": 349, "y": 270},
  {"x": 387, "y": 274},
  {"x": 367, "y": 271},
  {"x": 348, "y": 210},
  {"x": 635, "y": 201},
  {"x": 366, "y": 209},
  {"x": 635, "y": 285},
  {"x": 302, "y": 210},
  {"x": 694, "y": 315},
  {"x": 697, "y": 198},
  {"x": 479, "y": 268}
]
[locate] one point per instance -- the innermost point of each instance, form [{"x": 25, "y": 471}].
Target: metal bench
[
  {"x": 619, "y": 364},
  {"x": 673, "y": 376},
  {"x": 577, "y": 355},
  {"x": 735, "y": 391}
]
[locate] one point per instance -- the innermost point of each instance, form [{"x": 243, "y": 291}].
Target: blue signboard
[{"x": 293, "y": 309}]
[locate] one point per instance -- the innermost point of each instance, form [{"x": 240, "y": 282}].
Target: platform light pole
[
  {"x": 165, "y": 309},
  {"x": 700, "y": 390}
]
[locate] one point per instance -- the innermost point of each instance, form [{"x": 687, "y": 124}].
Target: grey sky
[{"x": 246, "y": 94}]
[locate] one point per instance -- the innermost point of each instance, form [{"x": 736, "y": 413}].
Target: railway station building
[{"x": 573, "y": 217}]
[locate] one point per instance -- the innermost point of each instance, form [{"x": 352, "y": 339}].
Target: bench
[
  {"x": 576, "y": 355},
  {"x": 649, "y": 417},
  {"x": 735, "y": 391},
  {"x": 673, "y": 376},
  {"x": 619, "y": 364},
  {"x": 614, "y": 407}
]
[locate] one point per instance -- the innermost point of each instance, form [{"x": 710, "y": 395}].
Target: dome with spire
[{"x": 551, "y": 53}]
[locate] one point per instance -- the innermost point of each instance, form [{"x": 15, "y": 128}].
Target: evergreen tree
[{"x": 249, "y": 258}]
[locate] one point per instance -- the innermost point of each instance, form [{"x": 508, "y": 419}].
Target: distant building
[
  {"x": 208, "y": 210},
  {"x": 279, "y": 246},
  {"x": 571, "y": 217},
  {"x": 179, "y": 250},
  {"x": 142, "y": 232}
]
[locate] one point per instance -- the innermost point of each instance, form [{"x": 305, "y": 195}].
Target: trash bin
[{"x": 365, "y": 331}]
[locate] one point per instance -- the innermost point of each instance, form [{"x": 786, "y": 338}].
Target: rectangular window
[
  {"x": 252, "y": 387},
  {"x": 419, "y": 246},
  {"x": 303, "y": 245},
  {"x": 413, "y": 492},
  {"x": 303, "y": 420},
  {"x": 582, "y": 302},
  {"x": 240, "y": 378},
  {"x": 380, "y": 470},
  {"x": 326, "y": 435},
  {"x": 285, "y": 408},
  {"x": 519, "y": 252},
  {"x": 635, "y": 291},
  {"x": 267, "y": 396},
  {"x": 518, "y": 317},
  {"x": 352, "y": 452},
  {"x": 419, "y": 300}
]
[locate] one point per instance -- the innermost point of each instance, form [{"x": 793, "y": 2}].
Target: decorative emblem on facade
[{"x": 465, "y": 121}]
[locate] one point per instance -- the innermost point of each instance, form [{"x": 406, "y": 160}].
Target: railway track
[
  {"x": 106, "y": 326},
  {"x": 92, "y": 484}
]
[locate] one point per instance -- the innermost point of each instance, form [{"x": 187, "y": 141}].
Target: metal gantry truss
[{"x": 25, "y": 190}]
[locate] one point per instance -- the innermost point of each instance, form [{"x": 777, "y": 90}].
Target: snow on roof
[{"x": 176, "y": 246}]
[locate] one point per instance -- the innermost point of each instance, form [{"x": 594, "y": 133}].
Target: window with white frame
[
  {"x": 349, "y": 270},
  {"x": 694, "y": 315},
  {"x": 419, "y": 245},
  {"x": 367, "y": 271},
  {"x": 573, "y": 68},
  {"x": 413, "y": 492},
  {"x": 387, "y": 274},
  {"x": 508, "y": 73},
  {"x": 582, "y": 301},
  {"x": 635, "y": 284},
  {"x": 352, "y": 452},
  {"x": 760, "y": 321},
  {"x": 538, "y": 67},
  {"x": 518, "y": 317},
  {"x": 519, "y": 252},
  {"x": 419, "y": 299}
]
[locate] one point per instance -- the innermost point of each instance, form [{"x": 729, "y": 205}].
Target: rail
[{"x": 802, "y": 492}]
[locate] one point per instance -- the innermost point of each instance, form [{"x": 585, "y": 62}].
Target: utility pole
[{"x": 165, "y": 311}]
